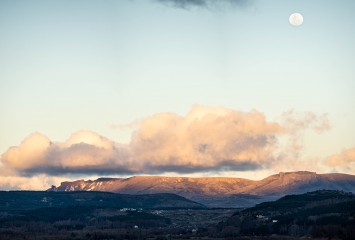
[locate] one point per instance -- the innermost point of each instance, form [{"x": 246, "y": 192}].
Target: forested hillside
[
  {"x": 324, "y": 213},
  {"x": 24, "y": 200}
]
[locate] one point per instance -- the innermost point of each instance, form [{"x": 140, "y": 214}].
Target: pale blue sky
[{"x": 71, "y": 65}]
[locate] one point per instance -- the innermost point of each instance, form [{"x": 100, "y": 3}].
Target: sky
[{"x": 174, "y": 87}]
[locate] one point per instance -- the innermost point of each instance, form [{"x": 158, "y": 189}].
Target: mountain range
[{"x": 219, "y": 191}]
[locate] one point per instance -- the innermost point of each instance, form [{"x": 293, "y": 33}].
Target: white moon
[{"x": 296, "y": 19}]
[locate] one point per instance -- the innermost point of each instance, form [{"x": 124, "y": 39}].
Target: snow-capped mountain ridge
[{"x": 219, "y": 190}]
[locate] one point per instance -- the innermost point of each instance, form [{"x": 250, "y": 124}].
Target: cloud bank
[
  {"x": 207, "y": 139},
  {"x": 210, "y": 4}
]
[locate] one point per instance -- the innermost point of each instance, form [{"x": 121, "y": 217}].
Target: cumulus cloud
[
  {"x": 83, "y": 152},
  {"x": 345, "y": 160},
  {"x": 206, "y": 139},
  {"x": 30, "y": 153},
  {"x": 210, "y": 4},
  {"x": 89, "y": 138}
]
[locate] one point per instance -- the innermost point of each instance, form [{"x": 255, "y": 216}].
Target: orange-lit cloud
[
  {"x": 206, "y": 139},
  {"x": 30, "y": 153},
  {"x": 345, "y": 161}
]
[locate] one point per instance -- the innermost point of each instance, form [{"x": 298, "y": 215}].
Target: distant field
[{"x": 196, "y": 218}]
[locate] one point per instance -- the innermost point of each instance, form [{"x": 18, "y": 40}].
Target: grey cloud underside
[
  {"x": 186, "y": 4},
  {"x": 227, "y": 165},
  {"x": 60, "y": 171},
  {"x": 148, "y": 168},
  {"x": 114, "y": 164}
]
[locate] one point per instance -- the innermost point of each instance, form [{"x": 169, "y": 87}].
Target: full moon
[{"x": 296, "y": 19}]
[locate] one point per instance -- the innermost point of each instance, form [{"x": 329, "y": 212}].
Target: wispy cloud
[
  {"x": 132, "y": 125},
  {"x": 296, "y": 123},
  {"x": 209, "y": 4}
]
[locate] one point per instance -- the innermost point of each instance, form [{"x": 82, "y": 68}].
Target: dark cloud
[
  {"x": 210, "y": 4},
  {"x": 103, "y": 169},
  {"x": 227, "y": 165}
]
